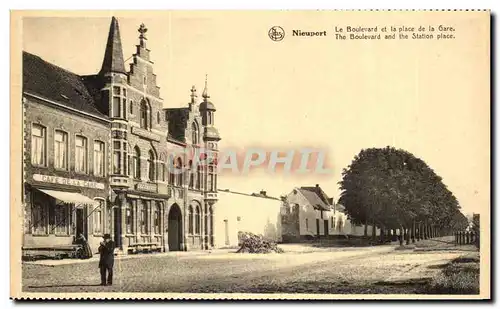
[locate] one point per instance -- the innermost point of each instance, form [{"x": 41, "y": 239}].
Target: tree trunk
[
  {"x": 418, "y": 231},
  {"x": 366, "y": 228},
  {"x": 413, "y": 232},
  {"x": 382, "y": 235},
  {"x": 400, "y": 236},
  {"x": 407, "y": 231},
  {"x": 374, "y": 232}
]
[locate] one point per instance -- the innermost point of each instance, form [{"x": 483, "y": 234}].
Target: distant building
[
  {"x": 237, "y": 212},
  {"x": 309, "y": 214}
]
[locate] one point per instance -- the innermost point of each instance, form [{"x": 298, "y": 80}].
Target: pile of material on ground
[
  {"x": 252, "y": 243},
  {"x": 460, "y": 276}
]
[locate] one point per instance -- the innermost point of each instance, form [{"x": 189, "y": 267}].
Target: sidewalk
[{"x": 95, "y": 258}]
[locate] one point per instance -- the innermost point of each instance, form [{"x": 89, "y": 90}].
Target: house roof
[
  {"x": 177, "y": 122},
  {"x": 113, "y": 56},
  {"x": 54, "y": 83},
  {"x": 316, "y": 197}
]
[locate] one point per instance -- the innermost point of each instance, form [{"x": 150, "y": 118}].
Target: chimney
[
  {"x": 263, "y": 193},
  {"x": 317, "y": 185}
]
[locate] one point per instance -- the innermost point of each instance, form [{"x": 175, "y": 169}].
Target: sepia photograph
[{"x": 250, "y": 154}]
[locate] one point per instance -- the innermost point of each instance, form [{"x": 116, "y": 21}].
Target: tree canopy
[{"x": 391, "y": 187}]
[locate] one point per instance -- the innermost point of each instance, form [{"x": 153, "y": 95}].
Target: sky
[{"x": 430, "y": 98}]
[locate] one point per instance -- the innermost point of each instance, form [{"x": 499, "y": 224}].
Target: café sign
[{"x": 68, "y": 181}]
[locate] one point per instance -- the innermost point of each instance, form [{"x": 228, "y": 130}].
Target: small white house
[
  {"x": 240, "y": 212},
  {"x": 310, "y": 214}
]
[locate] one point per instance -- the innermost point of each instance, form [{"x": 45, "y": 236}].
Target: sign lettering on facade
[
  {"x": 68, "y": 181},
  {"x": 150, "y": 187}
]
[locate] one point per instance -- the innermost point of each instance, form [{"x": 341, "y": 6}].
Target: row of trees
[{"x": 393, "y": 190}]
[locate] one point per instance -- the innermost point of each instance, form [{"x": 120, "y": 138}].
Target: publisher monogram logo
[{"x": 276, "y": 33}]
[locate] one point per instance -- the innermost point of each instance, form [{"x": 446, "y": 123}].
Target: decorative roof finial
[
  {"x": 193, "y": 94},
  {"x": 205, "y": 91},
  {"x": 142, "y": 37}
]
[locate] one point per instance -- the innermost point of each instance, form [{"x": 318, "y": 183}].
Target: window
[
  {"x": 99, "y": 158},
  {"x": 98, "y": 218},
  {"x": 38, "y": 142},
  {"x": 129, "y": 219},
  {"x": 157, "y": 218},
  {"x": 80, "y": 154},
  {"x": 39, "y": 219},
  {"x": 191, "y": 174},
  {"x": 190, "y": 218},
  {"x": 161, "y": 175},
  {"x": 116, "y": 107},
  {"x": 151, "y": 166},
  {"x": 212, "y": 177},
  {"x": 158, "y": 117},
  {"x": 61, "y": 219},
  {"x": 199, "y": 178},
  {"x": 119, "y": 108},
  {"x": 180, "y": 178},
  {"x": 307, "y": 224},
  {"x": 144, "y": 217},
  {"x": 117, "y": 159},
  {"x": 145, "y": 114},
  {"x": 195, "y": 133},
  {"x": 209, "y": 118},
  {"x": 332, "y": 223},
  {"x": 61, "y": 150},
  {"x": 137, "y": 163},
  {"x": 197, "y": 220},
  {"x": 131, "y": 106}
]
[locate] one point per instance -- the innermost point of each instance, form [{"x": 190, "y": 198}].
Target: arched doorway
[{"x": 174, "y": 228}]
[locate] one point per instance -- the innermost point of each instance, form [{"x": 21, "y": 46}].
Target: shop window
[
  {"x": 144, "y": 218},
  {"x": 60, "y": 150},
  {"x": 129, "y": 219},
  {"x": 61, "y": 222},
  {"x": 157, "y": 218},
  {"x": 39, "y": 219},
  {"x": 80, "y": 154},
  {"x": 38, "y": 145}
]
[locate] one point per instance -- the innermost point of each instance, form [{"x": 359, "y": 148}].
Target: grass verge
[{"x": 460, "y": 276}]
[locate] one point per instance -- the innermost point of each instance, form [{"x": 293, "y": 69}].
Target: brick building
[{"x": 151, "y": 194}]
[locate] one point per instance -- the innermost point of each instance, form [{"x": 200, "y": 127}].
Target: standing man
[{"x": 106, "y": 259}]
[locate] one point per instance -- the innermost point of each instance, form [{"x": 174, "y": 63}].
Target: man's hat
[{"x": 107, "y": 236}]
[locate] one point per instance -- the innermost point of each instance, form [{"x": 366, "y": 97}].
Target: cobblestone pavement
[{"x": 334, "y": 270}]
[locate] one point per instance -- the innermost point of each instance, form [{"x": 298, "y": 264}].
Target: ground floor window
[
  {"x": 129, "y": 219},
  {"x": 39, "y": 219},
  {"x": 61, "y": 216},
  {"x": 99, "y": 218},
  {"x": 144, "y": 218}
]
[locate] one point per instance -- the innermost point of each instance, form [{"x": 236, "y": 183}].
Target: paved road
[{"x": 331, "y": 270}]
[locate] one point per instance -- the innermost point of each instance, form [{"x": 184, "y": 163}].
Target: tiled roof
[
  {"x": 316, "y": 197},
  {"x": 177, "y": 122},
  {"x": 54, "y": 83}
]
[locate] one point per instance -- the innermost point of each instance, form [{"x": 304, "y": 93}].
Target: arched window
[
  {"x": 137, "y": 163},
  {"x": 180, "y": 178},
  {"x": 195, "y": 133},
  {"x": 145, "y": 115},
  {"x": 190, "y": 220},
  {"x": 209, "y": 122},
  {"x": 197, "y": 220},
  {"x": 151, "y": 165}
]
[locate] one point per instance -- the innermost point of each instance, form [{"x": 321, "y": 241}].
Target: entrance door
[
  {"x": 325, "y": 222},
  {"x": 317, "y": 227},
  {"x": 174, "y": 228},
  {"x": 81, "y": 221}
]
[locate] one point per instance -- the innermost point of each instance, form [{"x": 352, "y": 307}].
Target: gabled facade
[{"x": 148, "y": 203}]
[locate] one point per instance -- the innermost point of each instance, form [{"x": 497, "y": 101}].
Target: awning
[{"x": 69, "y": 197}]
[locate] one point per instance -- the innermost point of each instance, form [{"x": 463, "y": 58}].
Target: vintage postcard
[{"x": 250, "y": 154}]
